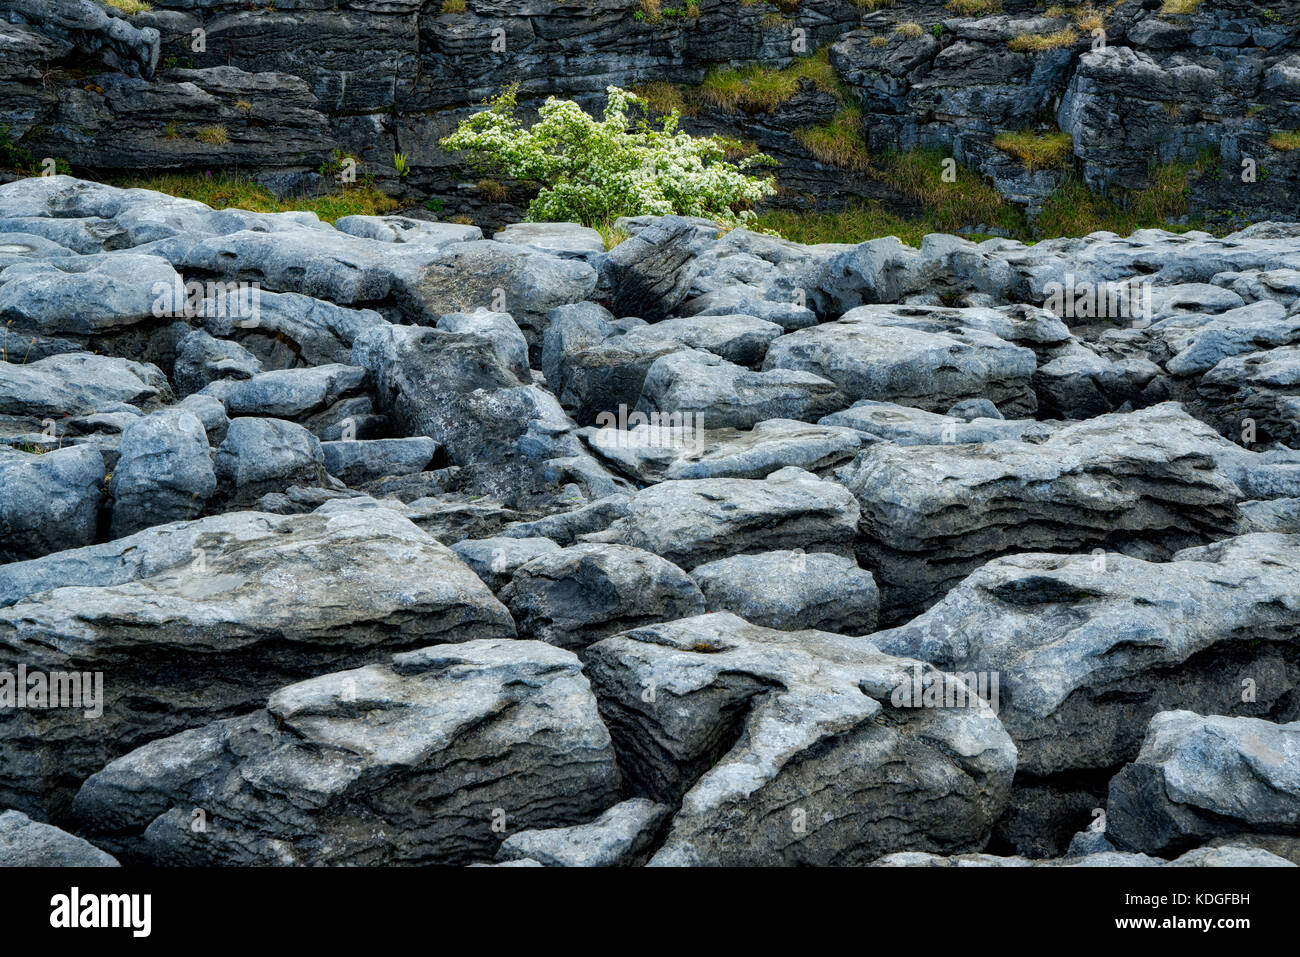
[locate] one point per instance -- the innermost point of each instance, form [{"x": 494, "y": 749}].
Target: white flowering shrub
[{"x": 593, "y": 171}]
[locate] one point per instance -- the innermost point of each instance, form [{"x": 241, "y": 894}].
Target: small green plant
[
  {"x": 1037, "y": 150},
  {"x": 215, "y": 135},
  {"x": 1037, "y": 43},
  {"x": 453, "y": 6},
  {"x": 760, "y": 89},
  {"x": 839, "y": 142},
  {"x": 493, "y": 191},
  {"x": 401, "y": 164},
  {"x": 433, "y": 205},
  {"x": 1179, "y": 7},
  {"x": 612, "y": 235},
  {"x": 595, "y": 170},
  {"x": 234, "y": 192},
  {"x": 1285, "y": 140},
  {"x": 129, "y": 7},
  {"x": 13, "y": 156},
  {"x": 974, "y": 8}
]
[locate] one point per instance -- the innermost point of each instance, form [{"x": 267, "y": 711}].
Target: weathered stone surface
[
  {"x": 163, "y": 473},
  {"x": 792, "y": 590},
  {"x": 78, "y": 383},
  {"x": 1201, "y": 857},
  {"x": 361, "y": 461},
  {"x": 446, "y": 737},
  {"x": 750, "y": 726},
  {"x": 651, "y": 453},
  {"x": 583, "y": 593},
  {"x": 201, "y": 359},
  {"x": 690, "y": 522},
  {"x": 1090, "y": 647},
  {"x": 260, "y": 454},
  {"x": 650, "y": 274},
  {"x": 1262, "y": 387},
  {"x": 287, "y": 393},
  {"x": 904, "y": 425},
  {"x": 28, "y": 843},
  {"x": 721, "y": 394},
  {"x": 83, "y": 295},
  {"x": 48, "y": 502},
  {"x": 196, "y": 621},
  {"x": 511, "y": 436},
  {"x": 925, "y": 361},
  {"x": 618, "y": 838},
  {"x": 1200, "y": 777},
  {"x": 495, "y": 560},
  {"x": 930, "y": 514}
]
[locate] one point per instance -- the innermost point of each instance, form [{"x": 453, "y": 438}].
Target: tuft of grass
[
  {"x": 1036, "y": 150},
  {"x": 974, "y": 8},
  {"x": 612, "y": 235},
  {"x": 1179, "y": 7},
  {"x": 968, "y": 201},
  {"x": 760, "y": 89},
  {"x": 663, "y": 98},
  {"x": 1090, "y": 20},
  {"x": 232, "y": 192},
  {"x": 215, "y": 135},
  {"x": 129, "y": 7},
  {"x": 1037, "y": 43},
  {"x": 839, "y": 142},
  {"x": 1285, "y": 140},
  {"x": 453, "y": 6},
  {"x": 909, "y": 30},
  {"x": 1073, "y": 210},
  {"x": 493, "y": 191}
]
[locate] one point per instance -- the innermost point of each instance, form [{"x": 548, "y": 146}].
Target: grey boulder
[
  {"x": 784, "y": 747},
  {"x": 1199, "y": 777},
  {"x": 618, "y": 838},
  {"x": 583, "y": 593},
  {"x": 792, "y": 590},
  {"x": 431, "y": 757}
]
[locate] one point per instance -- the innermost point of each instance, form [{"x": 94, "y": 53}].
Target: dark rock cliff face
[
  {"x": 291, "y": 84},
  {"x": 1132, "y": 87}
]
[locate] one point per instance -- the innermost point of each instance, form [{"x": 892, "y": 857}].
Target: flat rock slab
[
  {"x": 690, "y": 522},
  {"x": 793, "y": 590},
  {"x": 652, "y": 453},
  {"x": 429, "y": 758},
  {"x": 196, "y": 621},
  {"x": 929, "y": 364},
  {"x": 933, "y": 513},
  {"x": 583, "y": 593},
  {"x": 1089, "y": 647}
]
